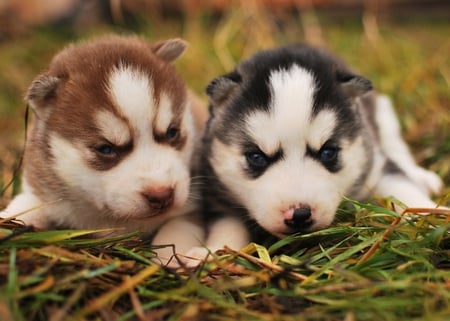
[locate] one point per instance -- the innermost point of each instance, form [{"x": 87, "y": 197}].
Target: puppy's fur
[
  {"x": 291, "y": 132},
  {"x": 111, "y": 143}
]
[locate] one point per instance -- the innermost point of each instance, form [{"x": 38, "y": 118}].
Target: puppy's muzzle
[{"x": 159, "y": 199}]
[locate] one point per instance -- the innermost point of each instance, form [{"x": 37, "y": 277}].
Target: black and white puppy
[{"x": 291, "y": 132}]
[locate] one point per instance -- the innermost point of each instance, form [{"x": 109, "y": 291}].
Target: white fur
[
  {"x": 321, "y": 129},
  {"x": 27, "y": 205},
  {"x": 118, "y": 190},
  {"x": 293, "y": 94},
  {"x": 296, "y": 179},
  {"x": 395, "y": 147},
  {"x": 185, "y": 234},
  {"x": 405, "y": 191},
  {"x": 164, "y": 116},
  {"x": 133, "y": 94},
  {"x": 83, "y": 187},
  {"x": 113, "y": 129},
  {"x": 113, "y": 198},
  {"x": 227, "y": 231}
]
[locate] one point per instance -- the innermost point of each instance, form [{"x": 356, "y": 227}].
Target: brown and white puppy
[{"x": 111, "y": 143}]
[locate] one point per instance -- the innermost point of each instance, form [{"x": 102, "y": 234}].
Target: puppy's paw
[
  {"x": 165, "y": 256},
  {"x": 196, "y": 255},
  {"x": 428, "y": 180}
]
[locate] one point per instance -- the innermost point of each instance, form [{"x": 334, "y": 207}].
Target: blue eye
[
  {"x": 105, "y": 149},
  {"x": 172, "y": 133},
  {"x": 328, "y": 155},
  {"x": 257, "y": 160}
]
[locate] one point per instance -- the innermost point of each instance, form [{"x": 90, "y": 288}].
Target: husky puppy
[
  {"x": 111, "y": 143},
  {"x": 291, "y": 132}
]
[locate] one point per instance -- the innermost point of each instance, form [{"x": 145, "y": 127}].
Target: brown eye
[{"x": 172, "y": 133}]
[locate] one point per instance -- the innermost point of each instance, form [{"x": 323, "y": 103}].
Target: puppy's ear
[
  {"x": 41, "y": 93},
  {"x": 353, "y": 85},
  {"x": 220, "y": 89},
  {"x": 170, "y": 50}
]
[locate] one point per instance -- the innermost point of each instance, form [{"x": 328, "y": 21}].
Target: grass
[
  {"x": 327, "y": 275},
  {"x": 370, "y": 265}
]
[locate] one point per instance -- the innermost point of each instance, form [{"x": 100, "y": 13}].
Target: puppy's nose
[
  {"x": 159, "y": 198},
  {"x": 301, "y": 218}
]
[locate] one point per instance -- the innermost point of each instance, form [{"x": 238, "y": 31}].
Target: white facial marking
[
  {"x": 119, "y": 191},
  {"x": 321, "y": 128},
  {"x": 293, "y": 98},
  {"x": 133, "y": 94},
  {"x": 297, "y": 179},
  {"x": 112, "y": 128},
  {"x": 165, "y": 115},
  {"x": 70, "y": 167},
  {"x": 292, "y": 101}
]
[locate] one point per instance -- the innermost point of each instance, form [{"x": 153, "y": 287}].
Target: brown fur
[{"x": 74, "y": 85}]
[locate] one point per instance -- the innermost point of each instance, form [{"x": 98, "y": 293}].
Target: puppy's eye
[
  {"x": 328, "y": 155},
  {"x": 257, "y": 160},
  {"x": 106, "y": 150},
  {"x": 172, "y": 133}
]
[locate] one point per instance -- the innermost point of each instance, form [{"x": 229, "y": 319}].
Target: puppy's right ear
[
  {"x": 170, "y": 50},
  {"x": 221, "y": 88},
  {"x": 41, "y": 93}
]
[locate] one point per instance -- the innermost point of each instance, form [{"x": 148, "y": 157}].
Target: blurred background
[{"x": 403, "y": 46}]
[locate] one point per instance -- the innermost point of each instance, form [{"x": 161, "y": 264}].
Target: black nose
[{"x": 301, "y": 218}]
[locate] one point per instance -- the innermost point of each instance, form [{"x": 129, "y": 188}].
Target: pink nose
[
  {"x": 159, "y": 198},
  {"x": 298, "y": 218}
]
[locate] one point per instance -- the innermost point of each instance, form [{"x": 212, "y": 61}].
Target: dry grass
[
  {"x": 373, "y": 268},
  {"x": 369, "y": 266}
]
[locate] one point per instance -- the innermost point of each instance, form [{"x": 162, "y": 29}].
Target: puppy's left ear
[
  {"x": 221, "y": 88},
  {"x": 353, "y": 85},
  {"x": 41, "y": 94},
  {"x": 170, "y": 50}
]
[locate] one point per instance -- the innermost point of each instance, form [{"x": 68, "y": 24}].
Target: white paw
[
  {"x": 191, "y": 259},
  {"x": 195, "y": 256},
  {"x": 428, "y": 180},
  {"x": 166, "y": 257}
]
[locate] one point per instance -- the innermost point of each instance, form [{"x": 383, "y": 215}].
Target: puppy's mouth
[
  {"x": 153, "y": 213},
  {"x": 298, "y": 231},
  {"x": 287, "y": 231}
]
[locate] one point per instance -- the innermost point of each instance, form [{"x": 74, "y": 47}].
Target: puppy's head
[
  {"x": 113, "y": 128},
  {"x": 284, "y": 137}
]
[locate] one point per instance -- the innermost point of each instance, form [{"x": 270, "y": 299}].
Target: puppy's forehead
[
  {"x": 143, "y": 102},
  {"x": 293, "y": 92},
  {"x": 113, "y": 128},
  {"x": 133, "y": 94},
  {"x": 290, "y": 109},
  {"x": 117, "y": 83}
]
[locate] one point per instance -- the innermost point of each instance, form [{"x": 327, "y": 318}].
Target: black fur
[{"x": 244, "y": 90}]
